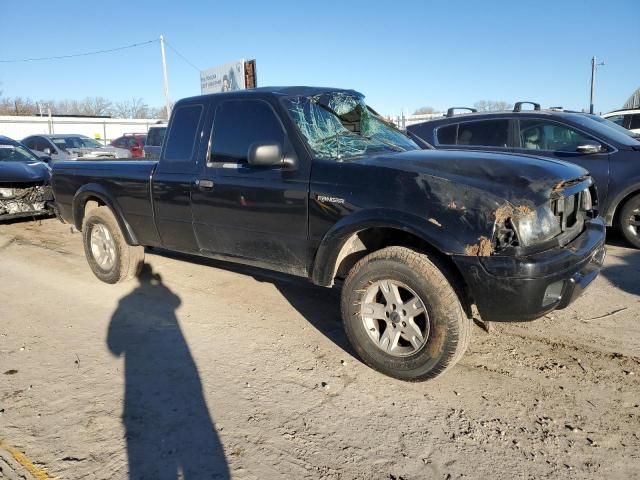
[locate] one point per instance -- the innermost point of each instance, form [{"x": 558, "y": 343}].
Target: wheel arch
[
  {"x": 368, "y": 231},
  {"x": 97, "y": 193},
  {"x": 611, "y": 215}
]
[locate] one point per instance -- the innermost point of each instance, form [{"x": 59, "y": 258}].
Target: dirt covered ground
[{"x": 208, "y": 370}]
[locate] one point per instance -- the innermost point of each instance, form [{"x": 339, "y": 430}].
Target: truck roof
[{"x": 292, "y": 91}]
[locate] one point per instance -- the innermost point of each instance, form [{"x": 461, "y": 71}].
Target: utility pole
[
  {"x": 594, "y": 66},
  {"x": 166, "y": 78}
]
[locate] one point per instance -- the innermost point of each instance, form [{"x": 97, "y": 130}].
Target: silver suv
[{"x": 72, "y": 147}]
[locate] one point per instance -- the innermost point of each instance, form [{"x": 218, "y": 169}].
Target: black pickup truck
[{"x": 312, "y": 182}]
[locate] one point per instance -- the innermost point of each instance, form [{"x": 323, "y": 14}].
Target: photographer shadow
[{"x": 169, "y": 431}]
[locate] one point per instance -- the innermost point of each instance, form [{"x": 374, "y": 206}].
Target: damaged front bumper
[
  {"x": 17, "y": 201},
  {"x": 506, "y": 288}
]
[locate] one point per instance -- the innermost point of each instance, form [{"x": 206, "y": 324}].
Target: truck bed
[{"x": 126, "y": 186}]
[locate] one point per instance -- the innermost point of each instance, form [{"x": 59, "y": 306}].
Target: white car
[
  {"x": 628, "y": 118},
  {"x": 72, "y": 147}
]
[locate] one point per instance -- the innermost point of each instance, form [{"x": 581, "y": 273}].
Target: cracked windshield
[{"x": 340, "y": 125}]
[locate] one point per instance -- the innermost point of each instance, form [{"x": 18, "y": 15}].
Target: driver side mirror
[
  {"x": 48, "y": 151},
  {"x": 265, "y": 154},
  {"x": 588, "y": 148}
]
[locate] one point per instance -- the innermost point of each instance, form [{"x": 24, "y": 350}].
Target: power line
[
  {"x": 180, "y": 55},
  {"x": 85, "y": 54}
]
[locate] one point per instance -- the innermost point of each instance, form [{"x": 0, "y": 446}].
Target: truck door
[
  {"x": 255, "y": 213},
  {"x": 176, "y": 172}
]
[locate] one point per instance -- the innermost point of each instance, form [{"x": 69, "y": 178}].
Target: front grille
[{"x": 571, "y": 212}]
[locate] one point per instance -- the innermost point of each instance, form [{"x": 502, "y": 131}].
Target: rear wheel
[
  {"x": 629, "y": 221},
  {"x": 403, "y": 316},
  {"x": 111, "y": 259}
]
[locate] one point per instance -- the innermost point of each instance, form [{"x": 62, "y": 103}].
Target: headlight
[{"x": 537, "y": 227}]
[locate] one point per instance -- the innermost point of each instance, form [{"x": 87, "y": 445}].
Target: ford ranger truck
[{"x": 313, "y": 183}]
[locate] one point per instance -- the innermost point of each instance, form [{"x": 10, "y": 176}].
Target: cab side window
[
  {"x": 635, "y": 121},
  {"x": 238, "y": 124},
  {"x": 447, "y": 135},
  {"x": 554, "y": 137}
]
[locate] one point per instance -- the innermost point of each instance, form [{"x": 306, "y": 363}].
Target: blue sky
[{"x": 399, "y": 54}]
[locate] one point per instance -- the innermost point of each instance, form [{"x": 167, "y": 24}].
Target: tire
[
  {"x": 111, "y": 259},
  {"x": 629, "y": 221},
  {"x": 445, "y": 329}
]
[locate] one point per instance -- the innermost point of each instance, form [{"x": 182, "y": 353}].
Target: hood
[
  {"x": 509, "y": 176},
  {"x": 17, "y": 172},
  {"x": 100, "y": 151}
]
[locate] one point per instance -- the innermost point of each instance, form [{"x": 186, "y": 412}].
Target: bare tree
[
  {"x": 92, "y": 106},
  {"x": 18, "y": 106},
  {"x": 424, "y": 110},
  {"x": 158, "y": 112},
  {"x": 66, "y": 107},
  {"x": 134, "y": 108},
  {"x": 95, "y": 106},
  {"x": 492, "y": 105}
]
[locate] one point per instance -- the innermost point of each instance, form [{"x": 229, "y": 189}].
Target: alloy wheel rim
[
  {"x": 103, "y": 247},
  {"x": 395, "y": 318},
  {"x": 633, "y": 222}
]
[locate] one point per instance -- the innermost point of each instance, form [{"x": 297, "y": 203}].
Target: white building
[{"x": 103, "y": 129}]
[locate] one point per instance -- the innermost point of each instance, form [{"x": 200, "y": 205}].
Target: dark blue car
[
  {"x": 609, "y": 152},
  {"x": 25, "y": 179}
]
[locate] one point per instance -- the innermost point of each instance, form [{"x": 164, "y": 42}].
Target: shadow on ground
[
  {"x": 318, "y": 305},
  {"x": 169, "y": 431}
]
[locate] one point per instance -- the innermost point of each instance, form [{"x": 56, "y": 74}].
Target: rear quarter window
[
  {"x": 447, "y": 135},
  {"x": 182, "y": 136},
  {"x": 484, "y": 133}
]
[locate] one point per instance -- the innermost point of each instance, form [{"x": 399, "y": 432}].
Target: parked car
[
  {"x": 25, "y": 189},
  {"x": 134, "y": 142},
  {"x": 71, "y": 147},
  {"x": 627, "y": 118},
  {"x": 606, "y": 150},
  {"x": 311, "y": 182},
  {"x": 155, "y": 137}
]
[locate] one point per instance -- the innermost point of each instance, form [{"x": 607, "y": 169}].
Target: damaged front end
[
  {"x": 523, "y": 229},
  {"x": 19, "y": 200},
  {"x": 540, "y": 258}
]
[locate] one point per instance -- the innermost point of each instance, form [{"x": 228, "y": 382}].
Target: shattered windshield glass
[{"x": 340, "y": 125}]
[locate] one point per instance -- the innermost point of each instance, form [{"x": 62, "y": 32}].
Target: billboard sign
[{"x": 228, "y": 77}]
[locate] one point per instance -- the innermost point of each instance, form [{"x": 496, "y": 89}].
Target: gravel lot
[{"x": 210, "y": 370}]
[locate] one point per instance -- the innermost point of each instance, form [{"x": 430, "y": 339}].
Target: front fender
[
  {"x": 333, "y": 241},
  {"x": 95, "y": 190}
]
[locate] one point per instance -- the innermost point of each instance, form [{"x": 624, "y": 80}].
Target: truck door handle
[{"x": 204, "y": 184}]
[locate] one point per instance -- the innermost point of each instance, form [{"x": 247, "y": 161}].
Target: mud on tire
[
  {"x": 111, "y": 259},
  {"x": 379, "y": 295}
]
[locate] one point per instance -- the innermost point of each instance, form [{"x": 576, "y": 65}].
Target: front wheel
[
  {"x": 629, "y": 221},
  {"x": 111, "y": 259},
  {"x": 403, "y": 316}
]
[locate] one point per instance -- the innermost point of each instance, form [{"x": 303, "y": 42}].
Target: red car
[{"x": 134, "y": 142}]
